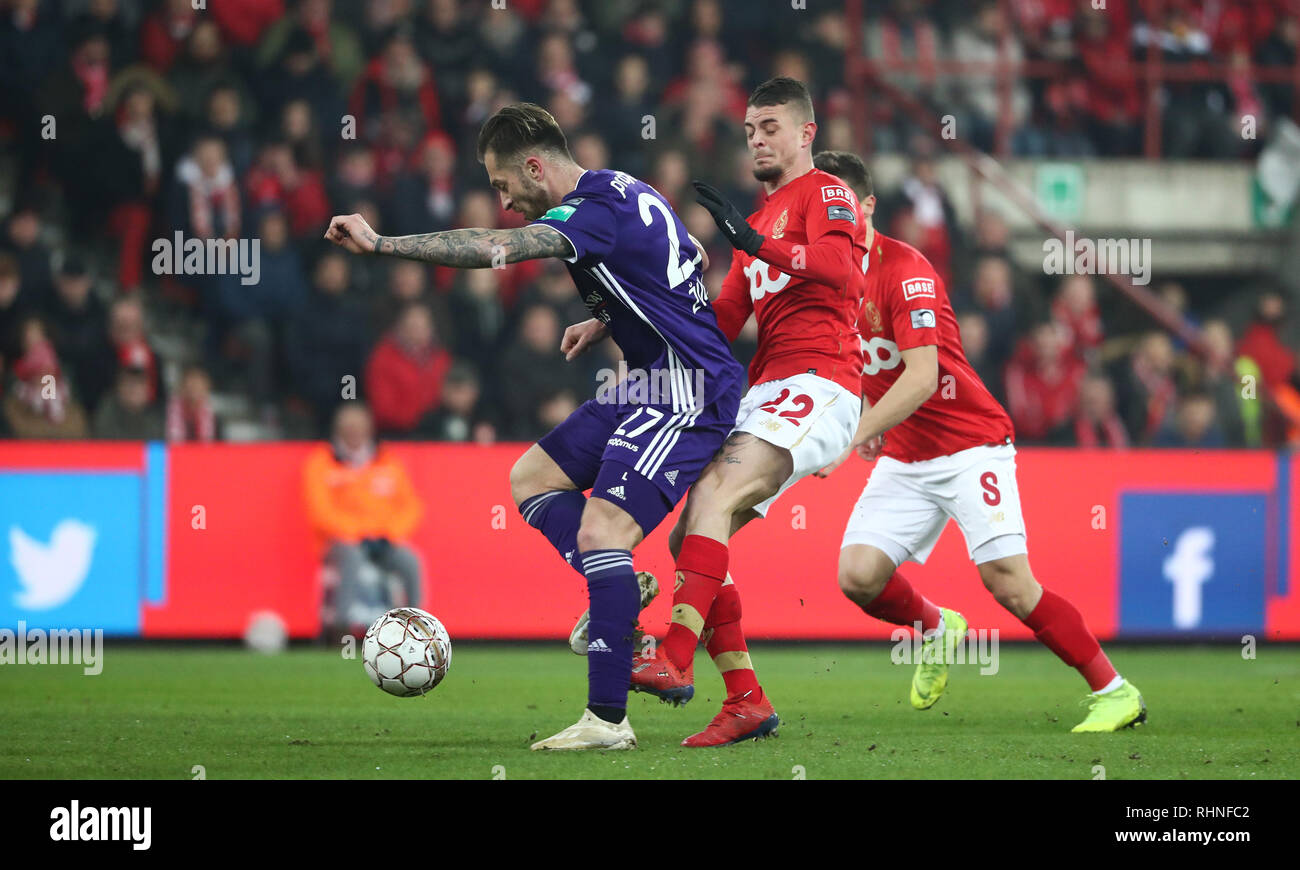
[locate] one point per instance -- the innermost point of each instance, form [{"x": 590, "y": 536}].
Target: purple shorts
[{"x": 642, "y": 458}]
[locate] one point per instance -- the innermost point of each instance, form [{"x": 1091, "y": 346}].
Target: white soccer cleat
[
  {"x": 649, "y": 587},
  {"x": 592, "y": 732}
]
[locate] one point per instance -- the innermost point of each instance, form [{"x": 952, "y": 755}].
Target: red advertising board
[{"x": 238, "y": 542}]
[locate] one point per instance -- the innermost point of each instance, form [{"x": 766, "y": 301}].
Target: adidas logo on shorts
[
  {"x": 671, "y": 477},
  {"x": 617, "y": 492}
]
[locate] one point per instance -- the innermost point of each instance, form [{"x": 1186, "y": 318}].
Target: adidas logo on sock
[
  {"x": 598, "y": 645},
  {"x": 617, "y": 492},
  {"x": 671, "y": 477}
]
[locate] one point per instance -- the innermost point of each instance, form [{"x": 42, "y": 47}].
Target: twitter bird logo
[{"x": 50, "y": 574}]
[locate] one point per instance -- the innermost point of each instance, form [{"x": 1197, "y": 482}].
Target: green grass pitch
[{"x": 160, "y": 711}]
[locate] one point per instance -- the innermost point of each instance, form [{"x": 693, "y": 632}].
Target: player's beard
[
  {"x": 768, "y": 173},
  {"x": 533, "y": 203}
]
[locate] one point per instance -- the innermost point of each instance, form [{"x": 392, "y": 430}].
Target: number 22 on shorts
[{"x": 800, "y": 406}]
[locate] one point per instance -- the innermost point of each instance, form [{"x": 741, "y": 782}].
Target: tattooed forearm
[{"x": 477, "y": 248}]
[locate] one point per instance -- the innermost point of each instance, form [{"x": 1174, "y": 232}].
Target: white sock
[
  {"x": 937, "y": 631},
  {"x": 1111, "y": 686}
]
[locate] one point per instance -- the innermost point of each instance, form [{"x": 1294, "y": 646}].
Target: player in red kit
[
  {"x": 943, "y": 448},
  {"x": 797, "y": 269}
]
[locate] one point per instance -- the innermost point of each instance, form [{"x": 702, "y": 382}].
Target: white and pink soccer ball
[{"x": 406, "y": 652}]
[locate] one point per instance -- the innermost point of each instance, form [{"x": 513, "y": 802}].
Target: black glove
[{"x": 730, "y": 221}]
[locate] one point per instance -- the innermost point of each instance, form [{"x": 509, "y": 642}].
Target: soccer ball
[{"x": 406, "y": 652}]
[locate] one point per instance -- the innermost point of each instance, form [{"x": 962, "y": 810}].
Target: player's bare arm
[
  {"x": 581, "y": 337},
  {"x": 475, "y": 248},
  {"x": 918, "y": 381}
]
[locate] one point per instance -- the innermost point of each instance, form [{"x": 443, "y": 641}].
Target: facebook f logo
[
  {"x": 1189, "y": 566},
  {"x": 1192, "y": 562}
]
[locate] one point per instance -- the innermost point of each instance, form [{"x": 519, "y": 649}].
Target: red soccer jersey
[
  {"x": 907, "y": 306},
  {"x": 807, "y": 321}
]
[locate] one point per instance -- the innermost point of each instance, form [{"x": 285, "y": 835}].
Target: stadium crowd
[{"x": 129, "y": 121}]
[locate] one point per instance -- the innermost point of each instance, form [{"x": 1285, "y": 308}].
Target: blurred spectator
[
  {"x": 1217, "y": 376},
  {"x": 207, "y": 204},
  {"x": 277, "y": 181},
  {"x": 1146, "y": 387},
  {"x": 477, "y": 311},
  {"x": 932, "y": 215},
  {"x": 1097, "y": 423},
  {"x": 981, "y": 39},
  {"x": 1193, "y": 424},
  {"x": 993, "y": 298},
  {"x": 538, "y": 380},
  {"x": 14, "y": 308},
  {"x": 164, "y": 32},
  {"x": 22, "y": 238},
  {"x": 330, "y": 43},
  {"x": 1263, "y": 345},
  {"x": 1279, "y": 48},
  {"x": 446, "y": 40},
  {"x": 130, "y": 340},
  {"x": 459, "y": 416},
  {"x": 78, "y": 325},
  {"x": 395, "y": 81},
  {"x": 408, "y": 283},
  {"x": 1075, "y": 310},
  {"x": 190, "y": 415},
  {"x": 326, "y": 342},
  {"x": 625, "y": 115},
  {"x": 975, "y": 344},
  {"x": 404, "y": 374},
  {"x": 128, "y": 413},
  {"x": 226, "y": 116},
  {"x": 200, "y": 68},
  {"x": 295, "y": 69},
  {"x": 40, "y": 403},
  {"x": 363, "y": 510},
  {"x": 1111, "y": 96},
  {"x": 1174, "y": 295},
  {"x": 424, "y": 195},
  {"x": 1043, "y": 381}
]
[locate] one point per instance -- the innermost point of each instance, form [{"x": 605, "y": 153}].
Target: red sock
[
  {"x": 726, "y": 644},
  {"x": 901, "y": 604},
  {"x": 1059, "y": 626},
  {"x": 701, "y": 567}
]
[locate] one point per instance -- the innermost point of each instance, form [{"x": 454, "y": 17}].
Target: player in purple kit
[{"x": 638, "y": 449}]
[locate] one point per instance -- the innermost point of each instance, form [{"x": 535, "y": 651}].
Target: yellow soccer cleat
[
  {"x": 937, "y": 653},
  {"x": 1121, "y": 708}
]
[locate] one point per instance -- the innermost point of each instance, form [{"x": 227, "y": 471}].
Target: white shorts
[
  {"x": 812, "y": 417},
  {"x": 906, "y": 505}
]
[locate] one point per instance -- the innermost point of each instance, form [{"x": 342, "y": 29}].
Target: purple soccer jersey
[{"x": 635, "y": 268}]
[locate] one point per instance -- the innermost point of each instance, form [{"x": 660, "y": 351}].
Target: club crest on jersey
[
  {"x": 833, "y": 192},
  {"x": 778, "y": 228},
  {"x": 914, "y": 287},
  {"x": 873, "y": 317}
]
